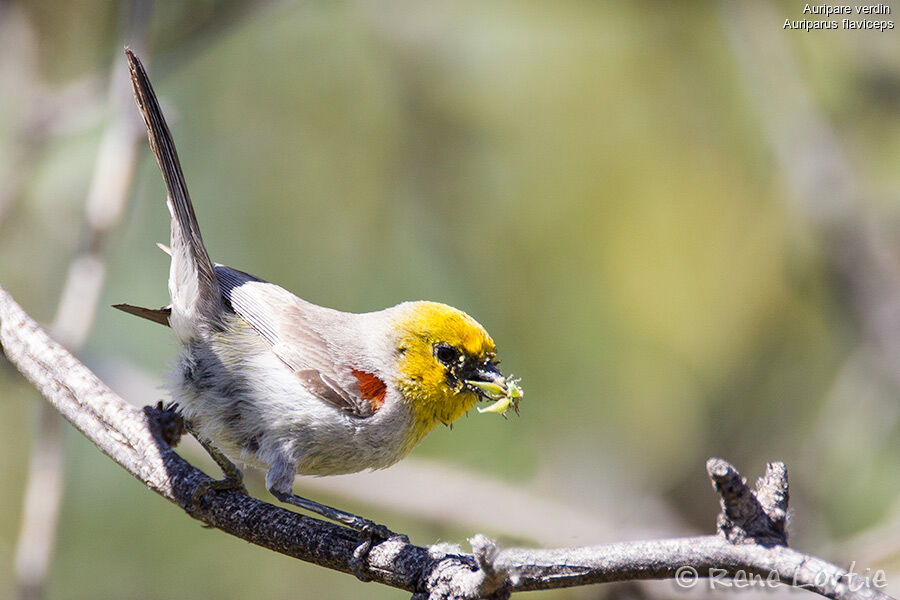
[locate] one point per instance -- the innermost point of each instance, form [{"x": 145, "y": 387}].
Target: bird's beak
[{"x": 489, "y": 383}]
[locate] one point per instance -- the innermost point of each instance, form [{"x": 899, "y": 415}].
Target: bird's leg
[
  {"x": 233, "y": 480},
  {"x": 280, "y": 483},
  {"x": 372, "y": 532},
  {"x": 352, "y": 521}
]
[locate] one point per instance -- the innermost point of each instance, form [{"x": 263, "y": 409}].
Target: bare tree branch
[{"x": 134, "y": 438}]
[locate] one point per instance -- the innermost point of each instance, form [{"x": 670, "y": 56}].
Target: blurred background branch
[
  {"x": 826, "y": 192},
  {"x": 861, "y": 252},
  {"x": 107, "y": 197}
]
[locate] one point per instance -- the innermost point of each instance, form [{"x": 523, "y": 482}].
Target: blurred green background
[{"x": 678, "y": 220}]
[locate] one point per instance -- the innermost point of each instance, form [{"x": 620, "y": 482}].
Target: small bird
[{"x": 267, "y": 379}]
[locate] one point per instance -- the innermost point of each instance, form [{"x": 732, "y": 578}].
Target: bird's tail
[{"x": 196, "y": 299}]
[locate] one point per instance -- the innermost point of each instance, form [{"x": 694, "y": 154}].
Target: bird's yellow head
[{"x": 446, "y": 362}]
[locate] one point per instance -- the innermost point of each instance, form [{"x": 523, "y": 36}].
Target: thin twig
[{"x": 132, "y": 437}]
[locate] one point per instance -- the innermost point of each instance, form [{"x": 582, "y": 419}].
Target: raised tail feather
[{"x": 196, "y": 298}]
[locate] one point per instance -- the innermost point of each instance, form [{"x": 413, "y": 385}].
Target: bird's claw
[
  {"x": 374, "y": 531},
  {"x": 371, "y": 532},
  {"x": 229, "y": 483},
  {"x": 169, "y": 420}
]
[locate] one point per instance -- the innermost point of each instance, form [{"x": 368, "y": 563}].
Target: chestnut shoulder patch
[{"x": 371, "y": 388}]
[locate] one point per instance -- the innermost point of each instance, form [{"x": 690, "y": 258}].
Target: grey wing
[{"x": 282, "y": 319}]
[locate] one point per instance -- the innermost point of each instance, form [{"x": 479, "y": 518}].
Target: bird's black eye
[{"x": 446, "y": 354}]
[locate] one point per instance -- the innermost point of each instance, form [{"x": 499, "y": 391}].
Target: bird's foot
[
  {"x": 372, "y": 534},
  {"x": 233, "y": 481},
  {"x": 370, "y": 529},
  {"x": 170, "y": 422}
]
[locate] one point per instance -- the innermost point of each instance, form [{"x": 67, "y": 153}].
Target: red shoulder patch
[{"x": 371, "y": 388}]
